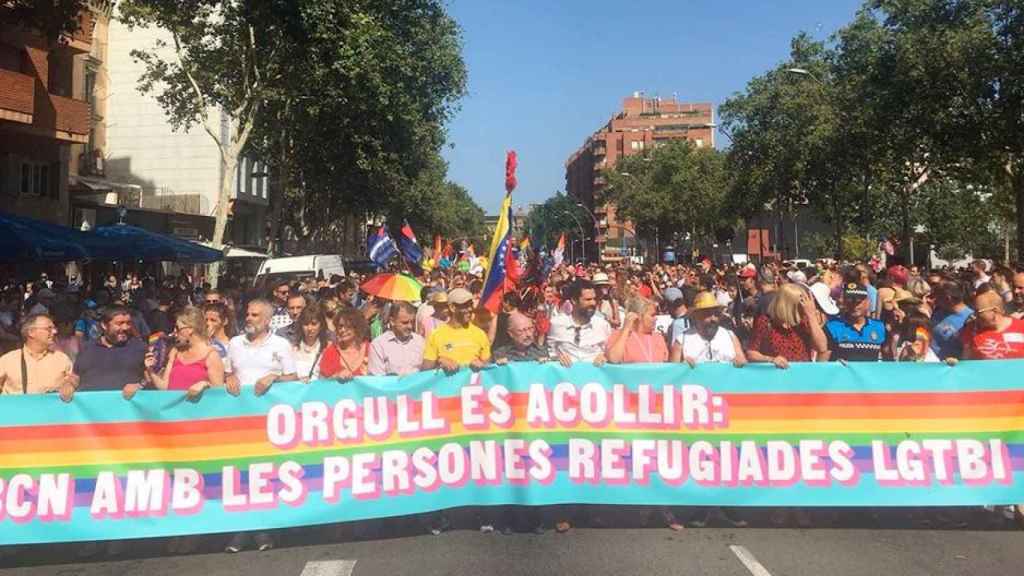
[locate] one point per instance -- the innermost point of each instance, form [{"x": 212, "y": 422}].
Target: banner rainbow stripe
[{"x": 855, "y": 404}]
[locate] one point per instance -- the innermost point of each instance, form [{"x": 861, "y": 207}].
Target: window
[{"x": 36, "y": 180}]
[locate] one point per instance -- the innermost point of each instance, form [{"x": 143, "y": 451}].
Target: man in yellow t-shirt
[{"x": 458, "y": 343}]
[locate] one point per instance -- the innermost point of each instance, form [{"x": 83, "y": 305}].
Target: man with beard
[
  {"x": 257, "y": 357},
  {"x": 280, "y": 318},
  {"x": 580, "y": 336},
  {"x": 115, "y": 360},
  {"x": 1018, "y": 296},
  {"x": 993, "y": 335},
  {"x": 458, "y": 343},
  {"x": 706, "y": 340}
]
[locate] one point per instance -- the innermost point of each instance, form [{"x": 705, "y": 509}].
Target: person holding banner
[
  {"x": 637, "y": 342},
  {"x": 115, "y": 360},
  {"x": 789, "y": 332},
  {"x": 257, "y": 357},
  {"x": 580, "y": 336},
  {"x": 458, "y": 343},
  {"x": 193, "y": 365},
  {"x": 36, "y": 368},
  {"x": 309, "y": 340},
  {"x": 348, "y": 356}
]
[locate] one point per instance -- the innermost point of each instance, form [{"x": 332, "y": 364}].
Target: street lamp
[
  {"x": 842, "y": 131},
  {"x": 580, "y": 226},
  {"x": 597, "y": 230}
]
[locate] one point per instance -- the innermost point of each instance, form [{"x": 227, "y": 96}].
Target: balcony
[
  {"x": 16, "y": 97},
  {"x": 63, "y": 118}
]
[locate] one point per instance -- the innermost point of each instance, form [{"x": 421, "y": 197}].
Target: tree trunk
[
  {"x": 229, "y": 163},
  {"x": 1017, "y": 181}
]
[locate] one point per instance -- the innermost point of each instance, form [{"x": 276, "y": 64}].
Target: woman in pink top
[
  {"x": 193, "y": 365},
  {"x": 637, "y": 342}
]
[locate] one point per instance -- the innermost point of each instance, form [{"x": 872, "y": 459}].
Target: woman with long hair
[
  {"x": 348, "y": 356},
  {"x": 310, "y": 341}
]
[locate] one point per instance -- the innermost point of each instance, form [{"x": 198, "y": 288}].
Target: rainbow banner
[{"x": 881, "y": 434}]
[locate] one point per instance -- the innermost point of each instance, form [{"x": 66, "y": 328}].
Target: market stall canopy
[
  {"x": 140, "y": 244},
  {"x": 29, "y": 240}
]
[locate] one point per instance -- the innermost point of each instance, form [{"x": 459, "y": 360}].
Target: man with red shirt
[{"x": 993, "y": 335}]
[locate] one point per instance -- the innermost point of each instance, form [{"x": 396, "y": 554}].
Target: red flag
[{"x": 510, "y": 171}]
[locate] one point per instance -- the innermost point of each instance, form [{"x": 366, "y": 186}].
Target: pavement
[{"x": 839, "y": 551}]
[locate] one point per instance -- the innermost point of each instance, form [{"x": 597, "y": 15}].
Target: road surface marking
[
  {"x": 329, "y": 568},
  {"x": 749, "y": 561}
]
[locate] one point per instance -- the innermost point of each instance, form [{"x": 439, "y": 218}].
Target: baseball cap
[
  {"x": 601, "y": 279},
  {"x": 854, "y": 291},
  {"x": 748, "y": 271},
  {"x": 797, "y": 276},
  {"x": 671, "y": 294}
]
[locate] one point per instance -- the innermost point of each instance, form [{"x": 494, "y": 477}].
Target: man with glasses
[
  {"x": 36, "y": 368},
  {"x": 458, "y": 343},
  {"x": 280, "y": 317},
  {"x": 582, "y": 335}
]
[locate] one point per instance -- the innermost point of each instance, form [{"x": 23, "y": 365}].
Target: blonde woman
[
  {"x": 637, "y": 342},
  {"x": 193, "y": 365},
  {"x": 790, "y": 331}
]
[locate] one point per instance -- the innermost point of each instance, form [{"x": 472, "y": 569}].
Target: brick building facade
[
  {"x": 43, "y": 112},
  {"x": 643, "y": 124}
]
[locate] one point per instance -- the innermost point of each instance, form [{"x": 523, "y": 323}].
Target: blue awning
[
  {"x": 29, "y": 240},
  {"x": 140, "y": 244}
]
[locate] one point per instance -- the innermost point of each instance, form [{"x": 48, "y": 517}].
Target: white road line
[
  {"x": 329, "y": 568},
  {"x": 749, "y": 561}
]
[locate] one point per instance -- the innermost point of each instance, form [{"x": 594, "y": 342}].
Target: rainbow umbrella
[{"x": 393, "y": 287}]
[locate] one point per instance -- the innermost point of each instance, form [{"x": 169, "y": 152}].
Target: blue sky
[{"x": 544, "y": 75}]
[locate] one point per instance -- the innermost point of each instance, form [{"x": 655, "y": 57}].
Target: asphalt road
[{"x": 843, "y": 551}]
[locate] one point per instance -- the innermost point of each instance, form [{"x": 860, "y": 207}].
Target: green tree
[
  {"x": 558, "y": 215},
  {"x": 675, "y": 189},
  {"x": 346, "y": 98},
  {"x": 54, "y": 19}
]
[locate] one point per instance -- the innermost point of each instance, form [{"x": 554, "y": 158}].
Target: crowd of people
[{"x": 63, "y": 336}]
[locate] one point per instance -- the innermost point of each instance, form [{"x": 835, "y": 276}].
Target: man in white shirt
[
  {"x": 582, "y": 335},
  {"x": 257, "y": 357}
]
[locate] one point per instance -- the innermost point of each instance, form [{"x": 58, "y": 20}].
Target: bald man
[
  {"x": 993, "y": 335},
  {"x": 1018, "y": 295},
  {"x": 522, "y": 346}
]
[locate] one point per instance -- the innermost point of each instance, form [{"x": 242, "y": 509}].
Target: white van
[{"x": 300, "y": 268}]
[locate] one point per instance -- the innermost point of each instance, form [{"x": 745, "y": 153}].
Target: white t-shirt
[
  {"x": 592, "y": 337},
  {"x": 250, "y": 362},
  {"x": 720, "y": 348}
]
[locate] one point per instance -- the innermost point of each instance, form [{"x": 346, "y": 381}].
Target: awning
[
  {"x": 88, "y": 185},
  {"x": 28, "y": 240},
  {"x": 230, "y": 252},
  {"x": 140, "y": 244}
]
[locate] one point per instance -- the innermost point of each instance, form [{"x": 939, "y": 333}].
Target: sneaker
[
  {"x": 563, "y": 526},
  {"x": 486, "y": 528},
  {"x": 236, "y": 544},
  {"x": 264, "y": 542},
  {"x": 439, "y": 524},
  {"x": 670, "y": 521}
]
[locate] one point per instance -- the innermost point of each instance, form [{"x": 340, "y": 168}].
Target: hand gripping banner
[{"x": 873, "y": 434}]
